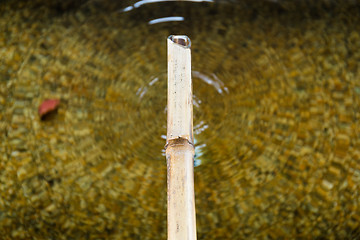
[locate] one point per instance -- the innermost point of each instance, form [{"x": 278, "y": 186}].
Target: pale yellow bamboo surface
[
  {"x": 180, "y": 109},
  {"x": 179, "y": 147}
]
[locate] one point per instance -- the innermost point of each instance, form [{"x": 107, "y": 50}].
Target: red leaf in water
[{"x": 48, "y": 106}]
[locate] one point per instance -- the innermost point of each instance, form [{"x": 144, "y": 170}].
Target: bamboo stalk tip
[{"x": 180, "y": 109}]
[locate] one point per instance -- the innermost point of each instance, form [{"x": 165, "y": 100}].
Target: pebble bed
[{"x": 282, "y": 158}]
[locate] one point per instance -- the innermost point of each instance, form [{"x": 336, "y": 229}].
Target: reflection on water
[
  {"x": 276, "y": 100},
  {"x": 166, "y": 19},
  {"x": 215, "y": 82},
  {"x": 143, "y": 2}
]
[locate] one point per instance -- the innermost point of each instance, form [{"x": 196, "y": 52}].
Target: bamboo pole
[{"x": 179, "y": 142}]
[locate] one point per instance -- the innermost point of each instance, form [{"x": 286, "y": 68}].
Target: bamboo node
[{"x": 178, "y": 141}]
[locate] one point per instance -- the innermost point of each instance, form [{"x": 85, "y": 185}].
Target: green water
[{"x": 276, "y": 110}]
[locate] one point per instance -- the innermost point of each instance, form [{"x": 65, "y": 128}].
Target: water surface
[{"x": 276, "y": 109}]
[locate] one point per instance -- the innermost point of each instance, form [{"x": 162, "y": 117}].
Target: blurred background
[{"x": 276, "y": 118}]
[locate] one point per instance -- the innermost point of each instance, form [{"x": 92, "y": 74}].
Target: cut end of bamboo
[{"x": 182, "y": 40}]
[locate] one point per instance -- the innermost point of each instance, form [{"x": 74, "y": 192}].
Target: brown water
[{"x": 276, "y": 110}]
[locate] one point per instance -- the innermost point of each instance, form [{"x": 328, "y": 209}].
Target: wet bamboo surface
[{"x": 276, "y": 112}]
